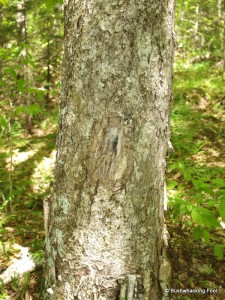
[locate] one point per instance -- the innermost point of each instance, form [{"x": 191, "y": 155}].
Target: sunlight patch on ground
[
  {"x": 43, "y": 132},
  {"x": 222, "y": 224},
  {"x": 211, "y": 157},
  {"x": 18, "y": 157},
  {"x": 43, "y": 173},
  {"x": 19, "y": 266}
]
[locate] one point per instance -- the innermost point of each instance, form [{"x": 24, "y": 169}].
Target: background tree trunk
[
  {"x": 196, "y": 36},
  {"x": 26, "y": 75},
  {"x": 105, "y": 224}
]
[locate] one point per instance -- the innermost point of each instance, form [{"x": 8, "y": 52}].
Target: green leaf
[
  {"x": 40, "y": 94},
  {"x": 218, "y": 182},
  {"x": 205, "y": 187},
  {"x": 171, "y": 184},
  {"x": 49, "y": 4},
  {"x": 221, "y": 208},
  {"x": 20, "y": 84},
  {"x": 197, "y": 183},
  {"x": 172, "y": 167},
  {"x": 198, "y": 231},
  {"x": 206, "y": 221},
  {"x": 183, "y": 210},
  {"x": 189, "y": 206},
  {"x": 201, "y": 233},
  {"x": 210, "y": 221},
  {"x": 207, "y": 217},
  {"x": 187, "y": 175},
  {"x": 211, "y": 203},
  {"x": 54, "y": 93},
  {"x": 11, "y": 71},
  {"x": 180, "y": 188},
  {"x": 31, "y": 90},
  {"x": 29, "y": 203},
  {"x": 201, "y": 185},
  {"x": 188, "y": 223},
  {"x": 181, "y": 165},
  {"x": 206, "y": 235},
  {"x": 196, "y": 216},
  {"x": 218, "y": 250},
  {"x": 3, "y": 122},
  {"x": 4, "y": 2},
  {"x": 203, "y": 216},
  {"x": 204, "y": 211},
  {"x": 32, "y": 109}
]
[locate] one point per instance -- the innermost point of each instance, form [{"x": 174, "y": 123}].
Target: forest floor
[{"x": 195, "y": 183}]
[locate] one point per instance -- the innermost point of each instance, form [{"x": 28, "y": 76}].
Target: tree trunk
[
  {"x": 196, "y": 37},
  {"x": 21, "y": 20},
  {"x": 48, "y": 58},
  {"x": 105, "y": 225},
  {"x": 219, "y": 9}
]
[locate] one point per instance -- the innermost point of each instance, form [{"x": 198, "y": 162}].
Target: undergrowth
[{"x": 196, "y": 174}]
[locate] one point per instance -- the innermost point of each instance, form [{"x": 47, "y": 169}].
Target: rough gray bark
[{"x": 105, "y": 225}]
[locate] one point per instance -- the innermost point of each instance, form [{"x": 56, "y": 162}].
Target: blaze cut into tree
[{"x": 105, "y": 221}]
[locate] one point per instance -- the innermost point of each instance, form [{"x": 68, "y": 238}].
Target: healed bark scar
[
  {"x": 107, "y": 147},
  {"x": 110, "y": 150}
]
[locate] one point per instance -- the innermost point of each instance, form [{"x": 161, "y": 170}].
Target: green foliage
[
  {"x": 3, "y": 292},
  {"x": 199, "y": 28},
  {"x": 15, "y": 283},
  {"x": 218, "y": 250},
  {"x": 39, "y": 255},
  {"x": 195, "y": 185},
  {"x": 29, "y": 62},
  {"x": 4, "y": 2},
  {"x": 29, "y": 83},
  {"x": 203, "y": 216},
  {"x": 51, "y": 3},
  {"x": 221, "y": 208},
  {"x": 32, "y": 109},
  {"x": 3, "y": 123}
]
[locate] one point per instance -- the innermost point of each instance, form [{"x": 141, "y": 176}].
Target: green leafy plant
[
  {"x": 196, "y": 190},
  {"x": 4, "y": 2},
  {"x": 25, "y": 286}
]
